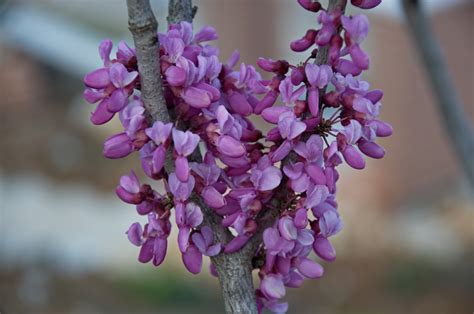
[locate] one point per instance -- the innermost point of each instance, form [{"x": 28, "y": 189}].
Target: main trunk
[{"x": 235, "y": 277}]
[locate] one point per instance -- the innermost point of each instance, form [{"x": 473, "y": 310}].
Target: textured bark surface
[
  {"x": 143, "y": 26},
  {"x": 180, "y": 10},
  {"x": 235, "y": 278},
  {"x": 451, "y": 110}
]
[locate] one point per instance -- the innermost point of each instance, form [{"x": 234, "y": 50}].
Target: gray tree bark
[{"x": 451, "y": 110}]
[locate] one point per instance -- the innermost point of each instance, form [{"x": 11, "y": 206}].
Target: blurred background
[{"x": 407, "y": 245}]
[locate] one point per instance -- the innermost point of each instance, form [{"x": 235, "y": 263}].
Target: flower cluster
[{"x": 322, "y": 114}]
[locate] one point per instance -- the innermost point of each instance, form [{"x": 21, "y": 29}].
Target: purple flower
[
  {"x": 287, "y": 228},
  {"x": 318, "y": 77},
  {"x": 356, "y": 26},
  {"x": 236, "y": 243},
  {"x": 117, "y": 146},
  {"x": 189, "y": 216},
  {"x": 134, "y": 234},
  {"x": 213, "y": 198},
  {"x": 229, "y": 146},
  {"x": 152, "y": 159},
  {"x": 203, "y": 241},
  {"x": 97, "y": 79},
  {"x": 311, "y": 151},
  {"x": 364, "y": 105},
  {"x": 196, "y": 97},
  {"x": 192, "y": 259},
  {"x": 159, "y": 132},
  {"x": 288, "y": 96},
  {"x": 272, "y": 114},
  {"x": 124, "y": 53},
  {"x": 101, "y": 114},
  {"x": 129, "y": 189},
  {"x": 324, "y": 249},
  {"x": 371, "y": 149},
  {"x": 352, "y": 132},
  {"x": 192, "y": 217},
  {"x": 366, "y": 4},
  {"x": 239, "y": 103},
  {"x": 305, "y": 42},
  {"x": 173, "y": 46},
  {"x": 208, "y": 170},
  {"x": 120, "y": 78},
  {"x": 207, "y": 33},
  {"x": 310, "y": 269},
  {"x": 175, "y": 76},
  {"x": 301, "y": 218},
  {"x": 228, "y": 125},
  {"x": 305, "y": 237},
  {"x": 289, "y": 126},
  {"x": 353, "y": 157},
  {"x": 265, "y": 177},
  {"x": 299, "y": 179},
  {"x": 272, "y": 286},
  {"x": 327, "y": 30},
  {"x": 316, "y": 195},
  {"x": 275, "y": 243},
  {"x": 105, "y": 48},
  {"x": 330, "y": 224},
  {"x": 310, "y": 5},
  {"x": 153, "y": 249},
  {"x": 133, "y": 117},
  {"x": 180, "y": 190},
  {"x": 184, "y": 144}
]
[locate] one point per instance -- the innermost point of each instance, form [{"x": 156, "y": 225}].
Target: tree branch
[
  {"x": 143, "y": 26},
  {"x": 180, "y": 10},
  {"x": 235, "y": 271},
  {"x": 453, "y": 118}
]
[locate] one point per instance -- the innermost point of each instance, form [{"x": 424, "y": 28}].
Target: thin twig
[{"x": 451, "y": 110}]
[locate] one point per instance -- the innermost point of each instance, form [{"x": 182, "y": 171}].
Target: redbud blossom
[{"x": 320, "y": 116}]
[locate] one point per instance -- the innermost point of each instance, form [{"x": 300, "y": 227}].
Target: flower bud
[
  {"x": 134, "y": 234},
  {"x": 366, "y": 4},
  {"x": 371, "y": 149},
  {"x": 97, "y": 79},
  {"x": 267, "y": 101},
  {"x": 272, "y": 114},
  {"x": 101, "y": 114},
  {"x": 310, "y": 269},
  {"x": 297, "y": 76},
  {"x": 230, "y": 147},
  {"x": 213, "y": 198},
  {"x": 313, "y": 6},
  {"x": 324, "y": 249},
  {"x": 305, "y": 42},
  {"x": 353, "y": 157},
  {"x": 239, "y": 103},
  {"x": 192, "y": 259},
  {"x": 117, "y": 146}
]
